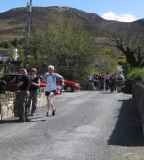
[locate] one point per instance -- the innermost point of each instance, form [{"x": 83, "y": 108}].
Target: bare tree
[{"x": 131, "y": 45}]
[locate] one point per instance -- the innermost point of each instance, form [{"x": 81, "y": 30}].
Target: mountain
[
  {"x": 140, "y": 22},
  {"x": 13, "y": 22}
]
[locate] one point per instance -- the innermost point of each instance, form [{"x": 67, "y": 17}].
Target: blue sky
[{"x": 122, "y": 10}]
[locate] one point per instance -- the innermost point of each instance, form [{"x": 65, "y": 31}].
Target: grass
[{"x": 136, "y": 74}]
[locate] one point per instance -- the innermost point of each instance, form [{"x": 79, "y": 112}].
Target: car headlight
[{"x": 77, "y": 85}]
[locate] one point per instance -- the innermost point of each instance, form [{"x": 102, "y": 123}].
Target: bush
[
  {"x": 136, "y": 74},
  {"x": 133, "y": 75}
]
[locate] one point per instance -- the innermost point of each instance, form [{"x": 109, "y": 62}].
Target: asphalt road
[{"x": 88, "y": 125}]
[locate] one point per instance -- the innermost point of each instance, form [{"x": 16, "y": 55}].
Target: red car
[
  {"x": 42, "y": 83},
  {"x": 69, "y": 85}
]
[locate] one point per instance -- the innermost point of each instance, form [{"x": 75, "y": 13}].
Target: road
[{"x": 88, "y": 125}]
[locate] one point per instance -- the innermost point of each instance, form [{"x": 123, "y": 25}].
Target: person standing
[
  {"x": 50, "y": 89},
  {"x": 107, "y": 80},
  {"x": 34, "y": 91},
  {"x": 120, "y": 80},
  {"x": 22, "y": 94},
  {"x": 112, "y": 82}
]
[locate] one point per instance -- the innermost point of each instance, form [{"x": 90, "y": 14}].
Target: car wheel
[{"x": 69, "y": 89}]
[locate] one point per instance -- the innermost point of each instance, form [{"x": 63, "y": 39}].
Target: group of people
[
  {"x": 28, "y": 86},
  {"x": 106, "y": 81}
]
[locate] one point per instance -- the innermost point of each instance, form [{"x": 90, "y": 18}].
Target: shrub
[{"x": 136, "y": 74}]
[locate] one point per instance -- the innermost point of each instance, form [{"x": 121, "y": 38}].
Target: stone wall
[
  {"x": 138, "y": 100},
  {"x": 7, "y": 104}
]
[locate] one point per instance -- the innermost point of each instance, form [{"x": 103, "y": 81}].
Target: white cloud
[{"x": 119, "y": 17}]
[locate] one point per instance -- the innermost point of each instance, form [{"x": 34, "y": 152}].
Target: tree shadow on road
[{"x": 128, "y": 130}]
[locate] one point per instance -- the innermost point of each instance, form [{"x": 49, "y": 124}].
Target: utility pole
[
  {"x": 28, "y": 31},
  {"x": 29, "y": 18}
]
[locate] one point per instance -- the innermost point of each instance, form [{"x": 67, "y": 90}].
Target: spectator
[
  {"x": 34, "y": 91},
  {"x": 22, "y": 94},
  {"x": 112, "y": 83},
  {"x": 107, "y": 80}
]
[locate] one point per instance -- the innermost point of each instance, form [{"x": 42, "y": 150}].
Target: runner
[{"x": 50, "y": 89}]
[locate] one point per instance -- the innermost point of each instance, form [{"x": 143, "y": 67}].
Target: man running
[{"x": 50, "y": 89}]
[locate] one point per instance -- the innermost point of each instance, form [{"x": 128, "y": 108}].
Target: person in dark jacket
[
  {"x": 22, "y": 94},
  {"x": 112, "y": 82},
  {"x": 34, "y": 91}
]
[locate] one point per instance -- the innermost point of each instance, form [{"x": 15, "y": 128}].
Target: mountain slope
[{"x": 13, "y": 22}]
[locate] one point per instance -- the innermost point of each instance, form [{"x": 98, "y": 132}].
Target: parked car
[
  {"x": 42, "y": 83},
  {"x": 10, "y": 81},
  {"x": 71, "y": 86}
]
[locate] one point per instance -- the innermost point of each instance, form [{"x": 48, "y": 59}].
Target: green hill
[
  {"x": 63, "y": 47},
  {"x": 13, "y": 22}
]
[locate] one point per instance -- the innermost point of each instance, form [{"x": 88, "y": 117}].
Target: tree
[
  {"x": 70, "y": 50},
  {"x": 131, "y": 45}
]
